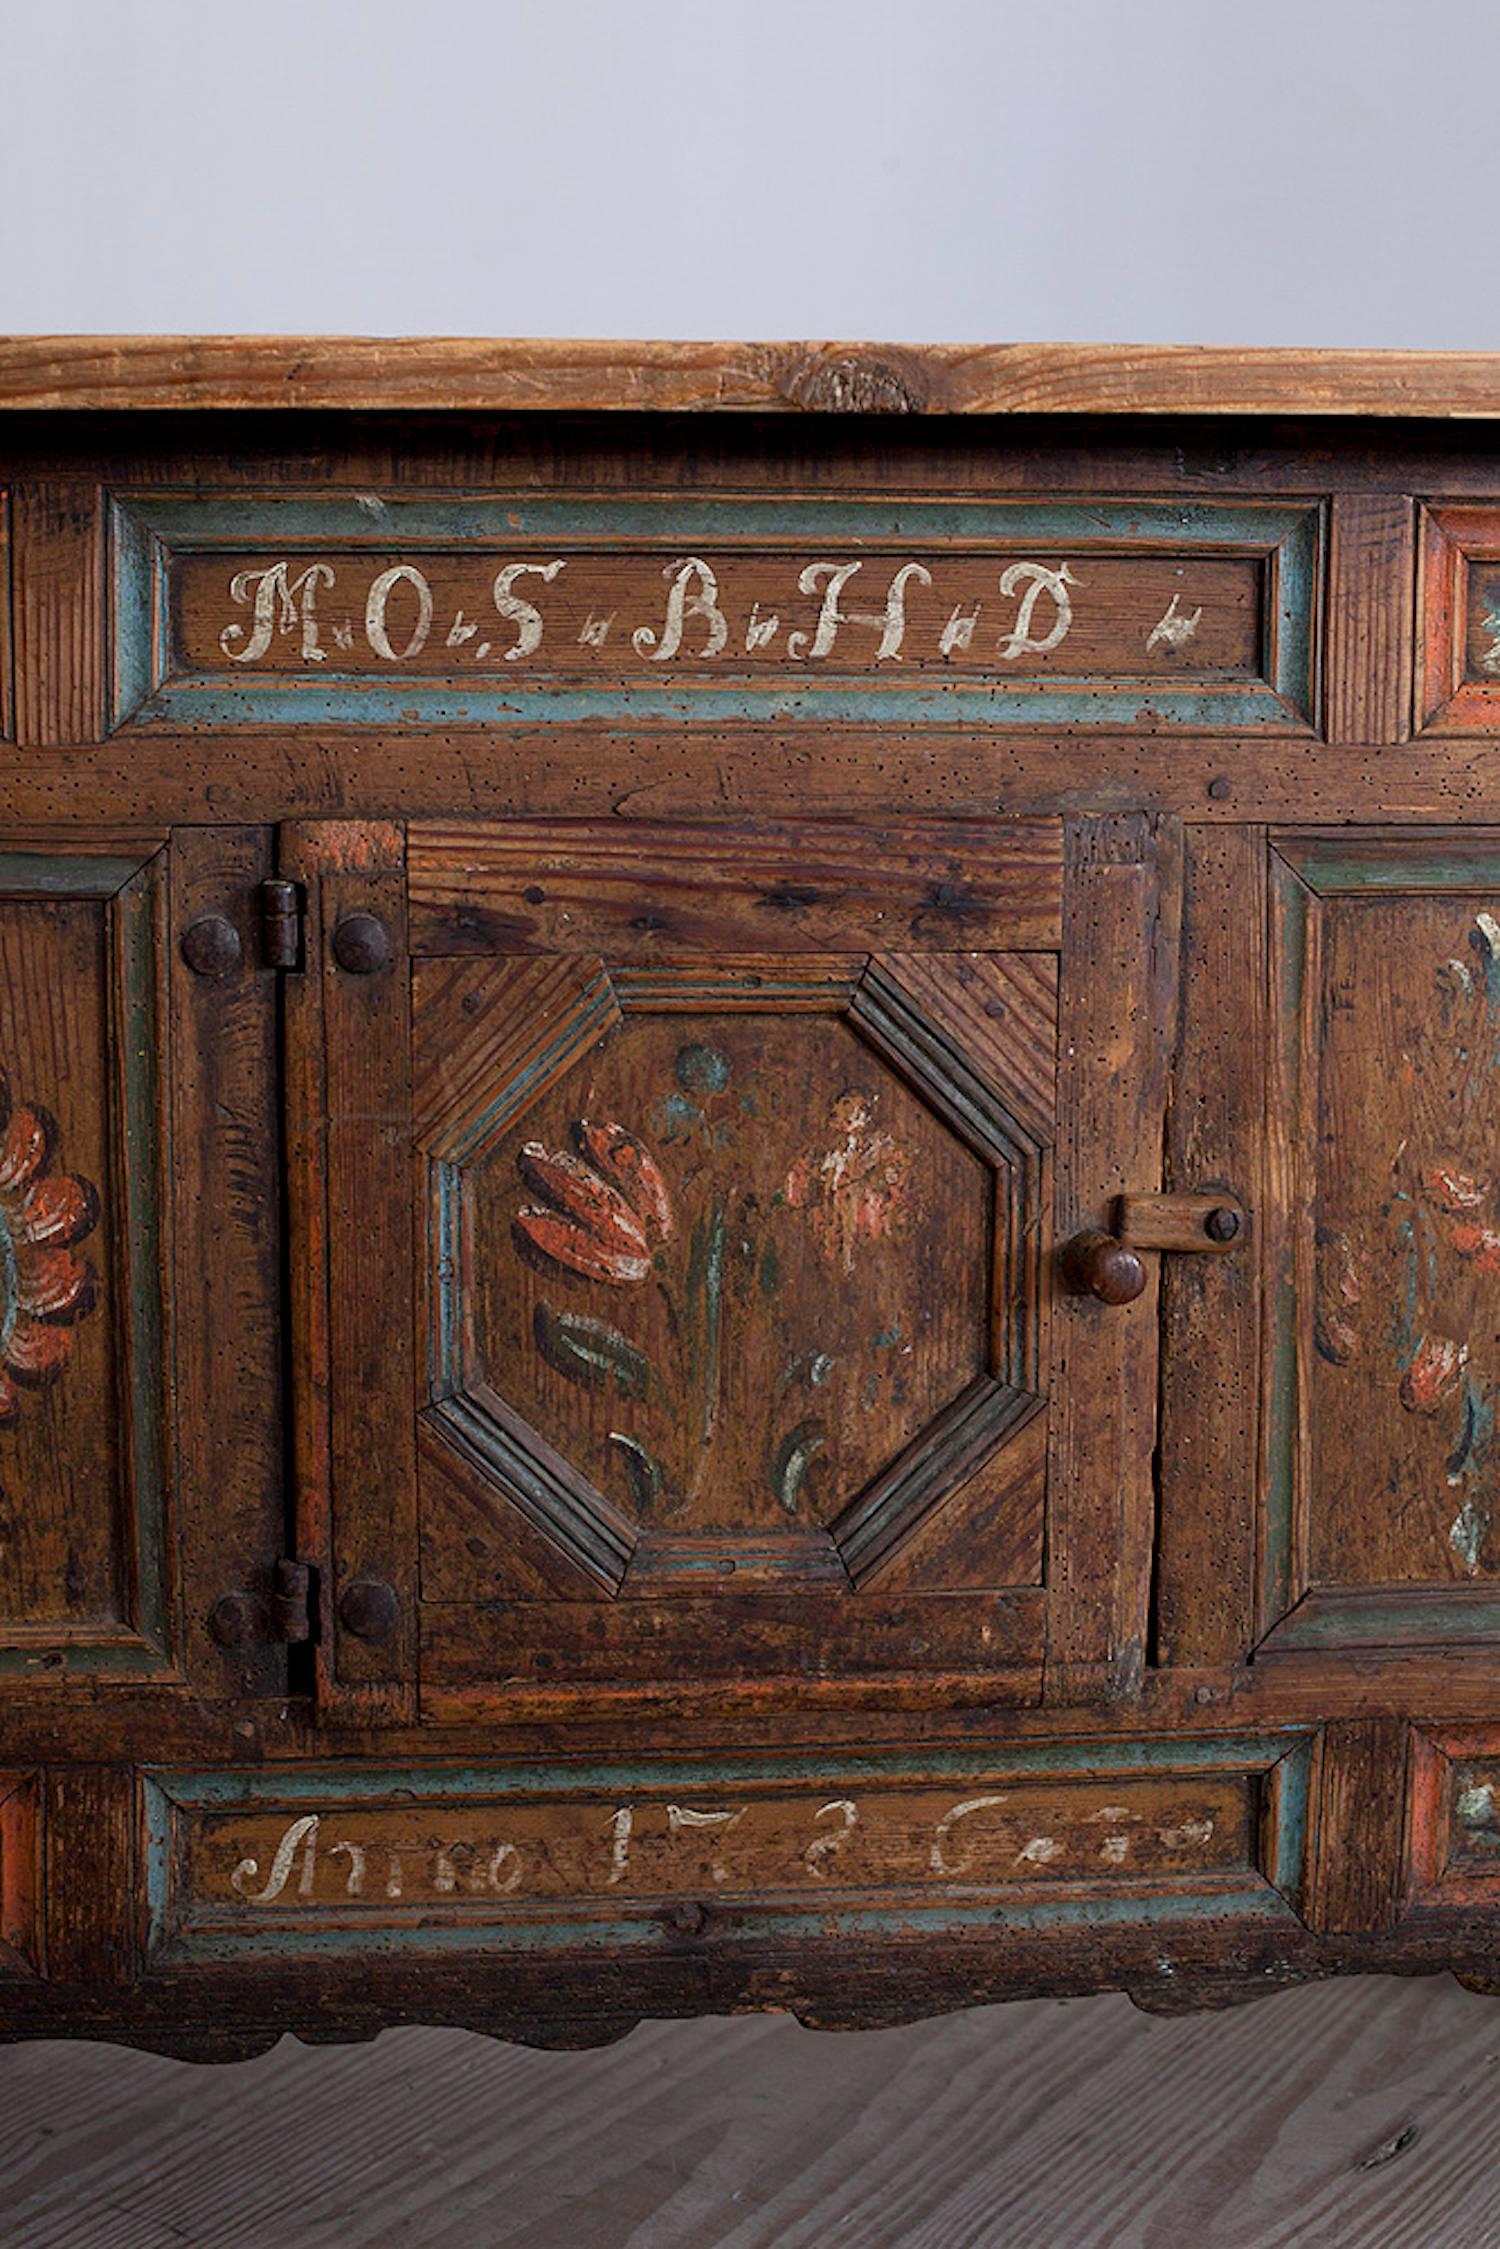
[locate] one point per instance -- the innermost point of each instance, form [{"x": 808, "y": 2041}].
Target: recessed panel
[
  {"x": 547, "y": 1856},
  {"x": 82, "y": 1459},
  {"x": 385, "y": 609},
  {"x": 730, "y": 1265}
]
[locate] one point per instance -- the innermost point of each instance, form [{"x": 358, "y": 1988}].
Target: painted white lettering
[
  {"x": 941, "y": 1863},
  {"x": 1174, "y": 629},
  {"x": 505, "y": 1869},
  {"x": 823, "y": 1847},
  {"x": 301, "y": 1835},
  {"x": 760, "y": 631},
  {"x": 282, "y": 604},
  {"x": 620, "y": 1825},
  {"x": 890, "y": 622},
  {"x": 958, "y": 634},
  {"x": 356, "y": 1856},
  {"x": 1037, "y": 579},
  {"x": 376, "y": 603},
  {"x": 594, "y": 631},
  {"x": 682, "y": 607},
  {"x": 524, "y": 615},
  {"x": 394, "y": 1854},
  {"x": 681, "y": 1817}
]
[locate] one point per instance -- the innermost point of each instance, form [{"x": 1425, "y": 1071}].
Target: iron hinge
[
  {"x": 291, "y": 1602},
  {"x": 241, "y": 1620},
  {"x": 281, "y": 910}
]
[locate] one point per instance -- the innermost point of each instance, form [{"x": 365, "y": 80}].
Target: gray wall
[{"x": 1276, "y": 171}]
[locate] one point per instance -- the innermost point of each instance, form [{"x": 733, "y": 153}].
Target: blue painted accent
[
  {"x": 1291, "y": 1783},
  {"x": 370, "y": 1784},
  {"x": 148, "y": 529},
  {"x": 157, "y": 1809},
  {"x": 447, "y": 1209},
  {"x": 1160, "y": 1910}
]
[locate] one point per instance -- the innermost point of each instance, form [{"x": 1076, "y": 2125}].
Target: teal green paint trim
[
  {"x": 447, "y": 1278},
  {"x": 1289, "y": 906},
  {"x": 1293, "y": 602},
  {"x": 157, "y": 1809},
  {"x": 48, "y": 874},
  {"x": 134, "y": 668},
  {"x": 142, "y": 1171},
  {"x": 1339, "y": 871},
  {"x": 1291, "y": 1784},
  {"x": 1227, "y": 1753},
  {"x": 87, "y": 1659},
  {"x": 832, "y": 1922},
  {"x": 1401, "y": 1618},
  {"x": 147, "y": 531},
  {"x": 200, "y": 523},
  {"x": 351, "y": 702}
]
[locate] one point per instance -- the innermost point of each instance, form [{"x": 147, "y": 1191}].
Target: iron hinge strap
[{"x": 281, "y": 906}]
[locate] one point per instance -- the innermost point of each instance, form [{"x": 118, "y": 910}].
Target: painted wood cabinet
[{"x": 749, "y": 1201}]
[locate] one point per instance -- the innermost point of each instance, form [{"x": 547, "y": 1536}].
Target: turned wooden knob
[{"x": 1102, "y": 1265}]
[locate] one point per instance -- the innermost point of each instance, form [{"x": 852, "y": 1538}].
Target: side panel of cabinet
[
  {"x": 85, "y": 1457},
  {"x": 139, "y": 1438},
  {"x": 1377, "y": 1513},
  {"x": 720, "y": 1172}
]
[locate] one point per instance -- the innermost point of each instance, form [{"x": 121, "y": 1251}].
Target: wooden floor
[{"x": 1365, "y": 2113}]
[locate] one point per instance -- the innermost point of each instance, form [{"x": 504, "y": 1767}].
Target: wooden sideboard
[{"x": 749, "y": 1181}]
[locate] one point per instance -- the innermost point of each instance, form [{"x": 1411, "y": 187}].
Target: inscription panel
[
  {"x": 383, "y": 611},
  {"x": 282, "y": 1861}
]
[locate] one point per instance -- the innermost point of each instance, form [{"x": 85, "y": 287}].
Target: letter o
[{"x": 375, "y": 608}]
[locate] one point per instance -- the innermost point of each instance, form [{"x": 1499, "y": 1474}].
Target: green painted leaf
[
  {"x": 645, "y": 1473},
  {"x": 794, "y": 1456},
  {"x": 591, "y": 1351}
]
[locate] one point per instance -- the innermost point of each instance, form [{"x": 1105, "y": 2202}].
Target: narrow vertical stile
[
  {"x": 227, "y": 1255},
  {"x": 366, "y": 1025},
  {"x": 305, "y": 1165},
  {"x": 1359, "y": 1872},
  {"x": 57, "y": 570},
  {"x": 1371, "y": 598},
  {"x": 1121, "y": 907},
  {"x": 89, "y": 1881},
  {"x": 1210, "y": 1306}
]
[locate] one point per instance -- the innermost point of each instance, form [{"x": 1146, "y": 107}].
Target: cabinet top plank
[{"x": 507, "y": 375}]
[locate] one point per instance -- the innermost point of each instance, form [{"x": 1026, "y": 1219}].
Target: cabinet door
[
  {"x": 1379, "y": 1521},
  {"x": 675, "y": 1213},
  {"x": 137, "y": 1145}
]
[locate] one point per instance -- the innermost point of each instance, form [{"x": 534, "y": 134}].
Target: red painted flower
[
  {"x": 600, "y": 1217},
  {"x": 45, "y": 1288}
]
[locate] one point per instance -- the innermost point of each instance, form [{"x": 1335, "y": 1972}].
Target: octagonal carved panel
[{"x": 734, "y": 1272}]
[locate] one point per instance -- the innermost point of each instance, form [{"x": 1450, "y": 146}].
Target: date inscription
[{"x": 386, "y": 1858}]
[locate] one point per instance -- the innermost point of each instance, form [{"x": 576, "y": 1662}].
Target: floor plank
[{"x": 1361, "y": 2113}]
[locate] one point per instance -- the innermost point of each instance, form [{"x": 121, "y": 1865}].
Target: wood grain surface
[
  {"x": 482, "y": 374},
  {"x": 1362, "y": 2112}
]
